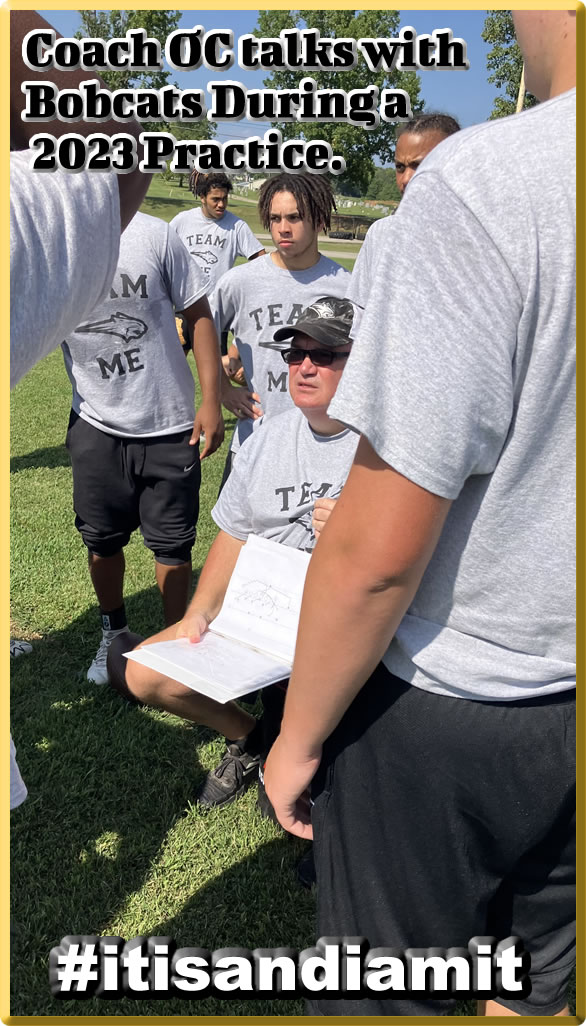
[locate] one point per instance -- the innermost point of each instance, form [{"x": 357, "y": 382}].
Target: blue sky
[{"x": 464, "y": 94}]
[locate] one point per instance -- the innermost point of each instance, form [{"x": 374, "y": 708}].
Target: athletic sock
[
  {"x": 114, "y": 621},
  {"x": 251, "y": 743}
]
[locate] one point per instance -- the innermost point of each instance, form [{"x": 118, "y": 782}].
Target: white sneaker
[
  {"x": 98, "y": 671},
  {"x": 18, "y": 648}
]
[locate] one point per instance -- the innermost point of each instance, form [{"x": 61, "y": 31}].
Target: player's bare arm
[
  {"x": 211, "y": 589},
  {"x": 374, "y": 577},
  {"x": 208, "y": 419}
]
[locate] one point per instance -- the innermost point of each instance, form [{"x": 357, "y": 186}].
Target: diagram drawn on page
[{"x": 262, "y": 600}]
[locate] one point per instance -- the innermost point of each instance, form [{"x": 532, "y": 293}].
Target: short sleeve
[
  {"x": 185, "y": 281},
  {"x": 429, "y": 381},
  {"x": 64, "y": 241},
  {"x": 223, "y": 306},
  {"x": 248, "y": 243},
  {"x": 232, "y": 512}
]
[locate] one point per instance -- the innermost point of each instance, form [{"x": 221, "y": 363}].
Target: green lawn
[{"x": 109, "y": 841}]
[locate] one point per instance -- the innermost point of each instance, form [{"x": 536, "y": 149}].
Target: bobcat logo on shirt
[
  {"x": 126, "y": 328},
  {"x": 206, "y": 256}
]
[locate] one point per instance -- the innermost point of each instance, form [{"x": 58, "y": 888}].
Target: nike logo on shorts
[{"x": 186, "y": 469}]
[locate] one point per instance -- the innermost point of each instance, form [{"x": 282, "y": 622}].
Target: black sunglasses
[{"x": 319, "y": 357}]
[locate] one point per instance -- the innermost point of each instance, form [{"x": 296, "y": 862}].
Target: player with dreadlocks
[
  {"x": 313, "y": 194},
  {"x": 213, "y": 236},
  {"x": 254, "y": 299}
]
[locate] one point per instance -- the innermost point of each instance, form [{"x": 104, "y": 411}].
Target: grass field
[{"x": 109, "y": 841}]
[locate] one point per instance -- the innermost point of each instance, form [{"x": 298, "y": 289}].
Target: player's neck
[{"x": 297, "y": 263}]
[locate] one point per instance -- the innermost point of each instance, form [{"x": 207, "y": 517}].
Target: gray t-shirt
[
  {"x": 215, "y": 245},
  {"x": 125, "y": 362},
  {"x": 371, "y": 252},
  {"x": 462, "y": 378},
  {"x": 254, "y": 300},
  {"x": 280, "y": 472},
  {"x": 64, "y": 235}
]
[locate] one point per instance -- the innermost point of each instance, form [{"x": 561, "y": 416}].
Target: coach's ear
[{"x": 132, "y": 186}]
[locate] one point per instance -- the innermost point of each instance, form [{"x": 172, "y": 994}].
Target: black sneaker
[{"x": 236, "y": 772}]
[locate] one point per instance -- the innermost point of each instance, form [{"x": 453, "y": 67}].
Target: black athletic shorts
[
  {"x": 437, "y": 820},
  {"x": 273, "y": 704},
  {"x": 120, "y": 484}
]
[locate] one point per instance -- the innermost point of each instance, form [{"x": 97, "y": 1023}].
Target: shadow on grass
[
  {"x": 56, "y": 456},
  {"x": 253, "y": 903},
  {"x": 109, "y": 833},
  {"x": 167, "y": 201},
  {"x": 104, "y": 787}
]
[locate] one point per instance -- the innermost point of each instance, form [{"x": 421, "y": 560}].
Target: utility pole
[{"x": 521, "y": 94}]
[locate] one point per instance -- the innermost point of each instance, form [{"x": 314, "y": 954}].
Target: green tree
[
  {"x": 358, "y": 146},
  {"x": 157, "y": 25},
  {"x": 115, "y": 24},
  {"x": 505, "y": 61},
  {"x": 383, "y": 185},
  {"x": 344, "y": 188},
  {"x": 185, "y": 130}
]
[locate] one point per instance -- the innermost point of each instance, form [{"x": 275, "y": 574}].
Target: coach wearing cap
[{"x": 286, "y": 479}]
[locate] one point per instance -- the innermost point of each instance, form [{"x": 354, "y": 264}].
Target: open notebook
[{"x": 251, "y": 642}]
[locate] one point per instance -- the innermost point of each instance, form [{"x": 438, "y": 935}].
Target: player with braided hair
[
  {"x": 213, "y": 236},
  {"x": 255, "y": 298},
  {"x": 313, "y": 194},
  {"x": 416, "y": 138}
]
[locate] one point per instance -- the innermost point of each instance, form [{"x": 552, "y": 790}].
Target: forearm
[
  {"x": 215, "y": 576},
  {"x": 206, "y": 350},
  {"x": 353, "y": 635},
  {"x": 371, "y": 579},
  {"x": 227, "y": 389},
  {"x": 223, "y": 319}
]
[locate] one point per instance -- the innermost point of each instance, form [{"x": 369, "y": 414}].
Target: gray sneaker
[
  {"x": 98, "y": 671},
  {"x": 236, "y": 772},
  {"x": 18, "y": 648}
]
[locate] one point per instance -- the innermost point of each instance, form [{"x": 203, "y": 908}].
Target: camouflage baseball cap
[{"x": 328, "y": 320}]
